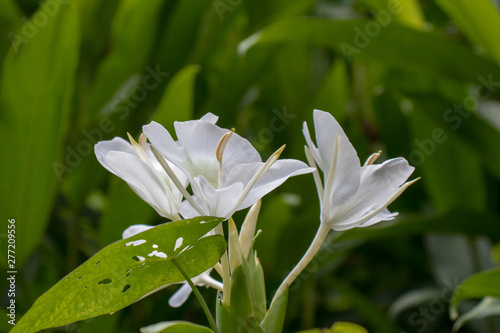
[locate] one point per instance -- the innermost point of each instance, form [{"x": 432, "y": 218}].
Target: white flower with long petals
[
  {"x": 182, "y": 294},
  {"x": 352, "y": 195},
  {"x": 136, "y": 165},
  {"x": 225, "y": 171}
]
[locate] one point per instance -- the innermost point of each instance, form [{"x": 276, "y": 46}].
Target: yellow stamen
[
  {"x": 373, "y": 158},
  {"x": 219, "y": 151},
  {"x": 139, "y": 148}
]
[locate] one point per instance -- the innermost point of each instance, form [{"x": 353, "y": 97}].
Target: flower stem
[
  {"x": 306, "y": 259},
  {"x": 198, "y": 296},
  {"x": 226, "y": 275}
]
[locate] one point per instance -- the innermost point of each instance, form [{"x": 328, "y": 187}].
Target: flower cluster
[{"x": 226, "y": 174}]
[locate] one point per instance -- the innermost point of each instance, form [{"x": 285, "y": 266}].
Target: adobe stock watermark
[
  {"x": 453, "y": 116},
  {"x": 277, "y": 124},
  {"x": 122, "y": 106},
  {"x": 47, "y": 10},
  {"x": 372, "y": 29},
  {"x": 421, "y": 318},
  {"x": 223, "y": 6}
]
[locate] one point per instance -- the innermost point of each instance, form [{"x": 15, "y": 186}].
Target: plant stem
[
  {"x": 226, "y": 275},
  {"x": 198, "y": 296},
  {"x": 306, "y": 259}
]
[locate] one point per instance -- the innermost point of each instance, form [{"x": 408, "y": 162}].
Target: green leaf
[
  {"x": 339, "y": 327},
  {"x": 241, "y": 308},
  {"x": 477, "y": 286},
  {"x": 408, "y": 11},
  {"x": 344, "y": 327},
  {"x": 175, "y": 327},
  {"x": 489, "y": 306},
  {"x": 275, "y": 316},
  {"x": 451, "y": 171},
  {"x": 475, "y": 132},
  {"x": 477, "y": 19},
  {"x": 396, "y": 45},
  {"x": 457, "y": 221},
  {"x": 133, "y": 33},
  {"x": 255, "y": 273},
  {"x": 333, "y": 94},
  {"x": 124, "y": 272},
  {"x": 36, "y": 90},
  {"x": 177, "y": 102}
]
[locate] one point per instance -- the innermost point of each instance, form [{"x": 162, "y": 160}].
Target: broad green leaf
[
  {"x": 451, "y": 171},
  {"x": 133, "y": 33},
  {"x": 177, "y": 102},
  {"x": 275, "y": 316},
  {"x": 126, "y": 271},
  {"x": 333, "y": 94},
  {"x": 489, "y": 306},
  {"x": 477, "y": 286},
  {"x": 404, "y": 11},
  {"x": 180, "y": 33},
  {"x": 477, "y": 19},
  {"x": 35, "y": 94},
  {"x": 10, "y": 19},
  {"x": 175, "y": 327},
  {"x": 396, "y": 45}
]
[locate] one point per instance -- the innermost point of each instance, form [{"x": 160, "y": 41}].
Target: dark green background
[{"x": 415, "y": 85}]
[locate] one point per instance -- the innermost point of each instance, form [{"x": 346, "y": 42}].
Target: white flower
[
  {"x": 353, "y": 195},
  {"x": 182, "y": 294},
  {"x": 225, "y": 171},
  {"x": 135, "y": 164}
]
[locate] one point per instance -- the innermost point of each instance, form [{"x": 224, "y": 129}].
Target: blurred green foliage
[{"x": 418, "y": 79}]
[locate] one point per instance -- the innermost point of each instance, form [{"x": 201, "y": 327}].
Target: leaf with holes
[{"x": 126, "y": 271}]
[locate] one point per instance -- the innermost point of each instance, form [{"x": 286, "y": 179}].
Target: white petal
[
  {"x": 312, "y": 147},
  {"x": 279, "y": 172},
  {"x": 384, "y": 215},
  {"x": 135, "y": 229},
  {"x": 218, "y": 202},
  {"x": 180, "y": 296},
  {"x": 145, "y": 181},
  {"x": 187, "y": 211},
  {"x": 163, "y": 142},
  {"x": 210, "y": 117},
  {"x": 102, "y": 148},
  {"x": 199, "y": 138},
  {"x": 380, "y": 183},
  {"x": 347, "y": 169}
]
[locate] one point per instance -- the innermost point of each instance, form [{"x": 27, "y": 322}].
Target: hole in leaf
[
  {"x": 97, "y": 263},
  {"x": 105, "y": 281},
  {"x": 127, "y": 287},
  {"x": 142, "y": 265},
  {"x": 79, "y": 278},
  {"x": 128, "y": 272},
  {"x": 85, "y": 287},
  {"x": 138, "y": 258}
]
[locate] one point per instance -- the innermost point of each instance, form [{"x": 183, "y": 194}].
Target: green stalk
[{"x": 203, "y": 304}]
